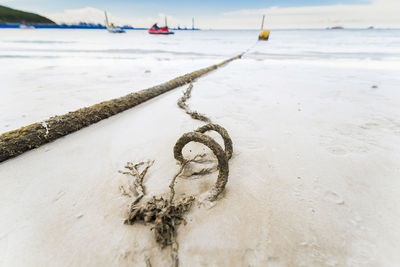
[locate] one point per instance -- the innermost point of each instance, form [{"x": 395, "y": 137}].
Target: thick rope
[
  {"x": 224, "y": 134},
  {"x": 166, "y": 214},
  {"x": 218, "y": 152},
  {"x": 16, "y": 142}
]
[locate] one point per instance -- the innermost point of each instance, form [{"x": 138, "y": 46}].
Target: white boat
[
  {"x": 26, "y": 26},
  {"x": 114, "y": 29},
  {"x": 111, "y": 28}
]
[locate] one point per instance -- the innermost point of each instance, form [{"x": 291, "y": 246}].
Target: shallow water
[
  {"x": 283, "y": 44},
  {"x": 45, "y": 72}
]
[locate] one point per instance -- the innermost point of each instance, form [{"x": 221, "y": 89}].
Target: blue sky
[
  {"x": 232, "y": 14},
  {"x": 173, "y": 7}
]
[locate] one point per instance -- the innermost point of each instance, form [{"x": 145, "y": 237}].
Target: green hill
[{"x": 9, "y": 15}]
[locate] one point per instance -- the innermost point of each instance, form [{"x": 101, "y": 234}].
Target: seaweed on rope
[{"x": 17, "y": 142}]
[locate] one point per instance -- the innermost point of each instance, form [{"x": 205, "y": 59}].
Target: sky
[{"x": 233, "y": 14}]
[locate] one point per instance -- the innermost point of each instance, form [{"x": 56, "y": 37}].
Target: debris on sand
[{"x": 165, "y": 214}]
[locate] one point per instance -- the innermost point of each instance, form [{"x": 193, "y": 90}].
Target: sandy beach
[{"x": 313, "y": 179}]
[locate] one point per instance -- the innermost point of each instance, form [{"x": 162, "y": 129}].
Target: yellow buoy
[{"x": 264, "y": 35}]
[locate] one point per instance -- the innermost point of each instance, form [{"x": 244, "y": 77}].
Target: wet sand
[{"x": 313, "y": 179}]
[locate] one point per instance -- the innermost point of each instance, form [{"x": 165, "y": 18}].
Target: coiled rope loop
[{"x": 222, "y": 155}]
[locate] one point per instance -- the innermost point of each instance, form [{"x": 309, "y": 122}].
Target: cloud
[
  {"x": 87, "y": 14},
  {"x": 94, "y": 15},
  {"x": 381, "y": 13}
]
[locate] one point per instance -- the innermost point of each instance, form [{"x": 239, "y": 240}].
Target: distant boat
[
  {"x": 163, "y": 30},
  {"x": 336, "y": 28},
  {"x": 186, "y": 28},
  {"x": 24, "y": 25},
  {"x": 370, "y": 28},
  {"x": 111, "y": 28},
  {"x": 193, "y": 27}
]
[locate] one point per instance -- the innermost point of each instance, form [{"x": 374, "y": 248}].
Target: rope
[
  {"x": 166, "y": 214},
  {"x": 16, "y": 142},
  {"x": 182, "y": 104}
]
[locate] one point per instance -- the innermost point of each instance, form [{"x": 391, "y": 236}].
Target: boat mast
[
  {"x": 192, "y": 23},
  {"x": 262, "y": 23},
  {"x": 105, "y": 13},
  {"x": 166, "y": 25}
]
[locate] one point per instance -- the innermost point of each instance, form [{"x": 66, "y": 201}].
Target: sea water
[
  {"x": 45, "y": 72},
  {"x": 376, "y": 44}
]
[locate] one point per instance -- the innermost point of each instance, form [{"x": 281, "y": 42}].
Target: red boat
[{"x": 157, "y": 30}]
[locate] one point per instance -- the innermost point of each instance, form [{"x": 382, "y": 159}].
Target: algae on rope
[{"x": 16, "y": 142}]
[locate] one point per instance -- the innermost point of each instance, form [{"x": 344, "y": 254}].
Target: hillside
[{"x": 9, "y": 15}]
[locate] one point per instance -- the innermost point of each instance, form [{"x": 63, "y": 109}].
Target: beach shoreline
[{"x": 313, "y": 180}]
